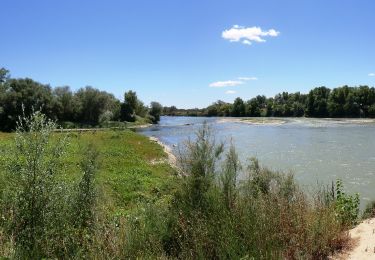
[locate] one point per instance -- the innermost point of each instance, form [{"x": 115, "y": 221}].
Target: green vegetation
[
  {"x": 112, "y": 194},
  {"x": 88, "y": 107},
  {"x": 319, "y": 102},
  {"x": 62, "y": 194}
]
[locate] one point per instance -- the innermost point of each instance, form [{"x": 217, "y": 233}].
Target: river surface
[{"x": 314, "y": 150}]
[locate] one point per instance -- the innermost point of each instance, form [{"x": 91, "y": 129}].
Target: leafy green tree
[
  {"x": 65, "y": 104},
  {"x": 22, "y": 96},
  {"x": 155, "y": 112},
  {"x": 317, "y": 102},
  {"x": 253, "y": 107},
  {"x": 93, "y": 103},
  {"x": 128, "y": 108},
  {"x": 4, "y": 75},
  {"x": 238, "y": 108},
  {"x": 141, "y": 110}
]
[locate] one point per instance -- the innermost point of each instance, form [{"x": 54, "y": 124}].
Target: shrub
[
  {"x": 347, "y": 206},
  {"x": 34, "y": 193},
  {"x": 42, "y": 215}
]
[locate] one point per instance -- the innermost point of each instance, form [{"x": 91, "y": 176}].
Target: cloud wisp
[
  {"x": 371, "y": 74},
  {"x": 231, "y": 83},
  {"x": 247, "y": 35},
  {"x": 227, "y": 83},
  {"x": 230, "y": 92},
  {"x": 247, "y": 78}
]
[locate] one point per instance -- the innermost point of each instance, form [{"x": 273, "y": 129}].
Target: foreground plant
[
  {"x": 33, "y": 190},
  {"x": 43, "y": 215}
]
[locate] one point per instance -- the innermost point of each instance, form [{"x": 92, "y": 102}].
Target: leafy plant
[
  {"x": 34, "y": 191},
  {"x": 347, "y": 206}
]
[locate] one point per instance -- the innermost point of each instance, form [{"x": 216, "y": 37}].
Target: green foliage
[
  {"x": 155, "y": 112},
  {"x": 129, "y": 106},
  {"x": 86, "y": 107},
  {"x": 238, "y": 108},
  {"x": 21, "y": 96},
  {"x": 347, "y": 206},
  {"x": 43, "y": 215},
  {"x": 4, "y": 75},
  {"x": 86, "y": 193},
  {"x": 199, "y": 162},
  {"x": 93, "y": 103},
  {"x": 319, "y": 102},
  {"x": 33, "y": 189},
  {"x": 228, "y": 177}
]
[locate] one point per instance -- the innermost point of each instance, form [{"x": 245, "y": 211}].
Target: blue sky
[{"x": 190, "y": 53}]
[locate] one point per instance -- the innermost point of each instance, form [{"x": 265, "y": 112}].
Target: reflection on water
[{"x": 313, "y": 149}]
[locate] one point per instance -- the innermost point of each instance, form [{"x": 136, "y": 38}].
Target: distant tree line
[
  {"x": 86, "y": 107},
  {"x": 319, "y": 102}
]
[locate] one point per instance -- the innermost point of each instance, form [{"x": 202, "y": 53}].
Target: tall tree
[
  {"x": 238, "y": 108},
  {"x": 155, "y": 112},
  {"x": 129, "y": 106}
]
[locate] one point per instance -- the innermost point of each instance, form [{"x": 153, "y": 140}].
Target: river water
[{"x": 314, "y": 150}]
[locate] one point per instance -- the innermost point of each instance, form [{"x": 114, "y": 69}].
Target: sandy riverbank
[
  {"x": 362, "y": 242},
  {"x": 172, "y": 160}
]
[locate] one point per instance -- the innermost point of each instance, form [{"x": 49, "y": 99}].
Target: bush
[
  {"x": 34, "y": 195},
  {"x": 44, "y": 216},
  {"x": 347, "y": 206}
]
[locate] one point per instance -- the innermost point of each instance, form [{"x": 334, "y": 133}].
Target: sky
[{"x": 190, "y": 53}]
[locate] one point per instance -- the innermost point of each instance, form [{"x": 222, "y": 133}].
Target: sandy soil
[
  {"x": 172, "y": 160},
  {"x": 363, "y": 246}
]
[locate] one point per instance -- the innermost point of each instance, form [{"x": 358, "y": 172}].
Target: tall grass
[{"x": 265, "y": 216}]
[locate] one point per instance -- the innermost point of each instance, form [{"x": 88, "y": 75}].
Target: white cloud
[
  {"x": 227, "y": 83},
  {"x": 371, "y": 74},
  {"x": 247, "y": 42},
  {"x": 247, "y": 35},
  {"x": 230, "y": 92},
  {"x": 247, "y": 78}
]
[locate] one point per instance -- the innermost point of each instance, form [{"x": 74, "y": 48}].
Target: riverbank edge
[{"x": 172, "y": 159}]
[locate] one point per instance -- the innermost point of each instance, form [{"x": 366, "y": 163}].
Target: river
[{"x": 314, "y": 150}]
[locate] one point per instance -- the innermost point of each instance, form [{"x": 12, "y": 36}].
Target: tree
[
  {"x": 238, "y": 108},
  {"x": 155, "y": 112},
  {"x": 253, "y": 107},
  {"x": 128, "y": 108},
  {"x": 4, "y": 75},
  {"x": 93, "y": 103},
  {"x": 317, "y": 102},
  {"x": 65, "y": 105},
  {"x": 22, "y": 97},
  {"x": 141, "y": 110}
]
